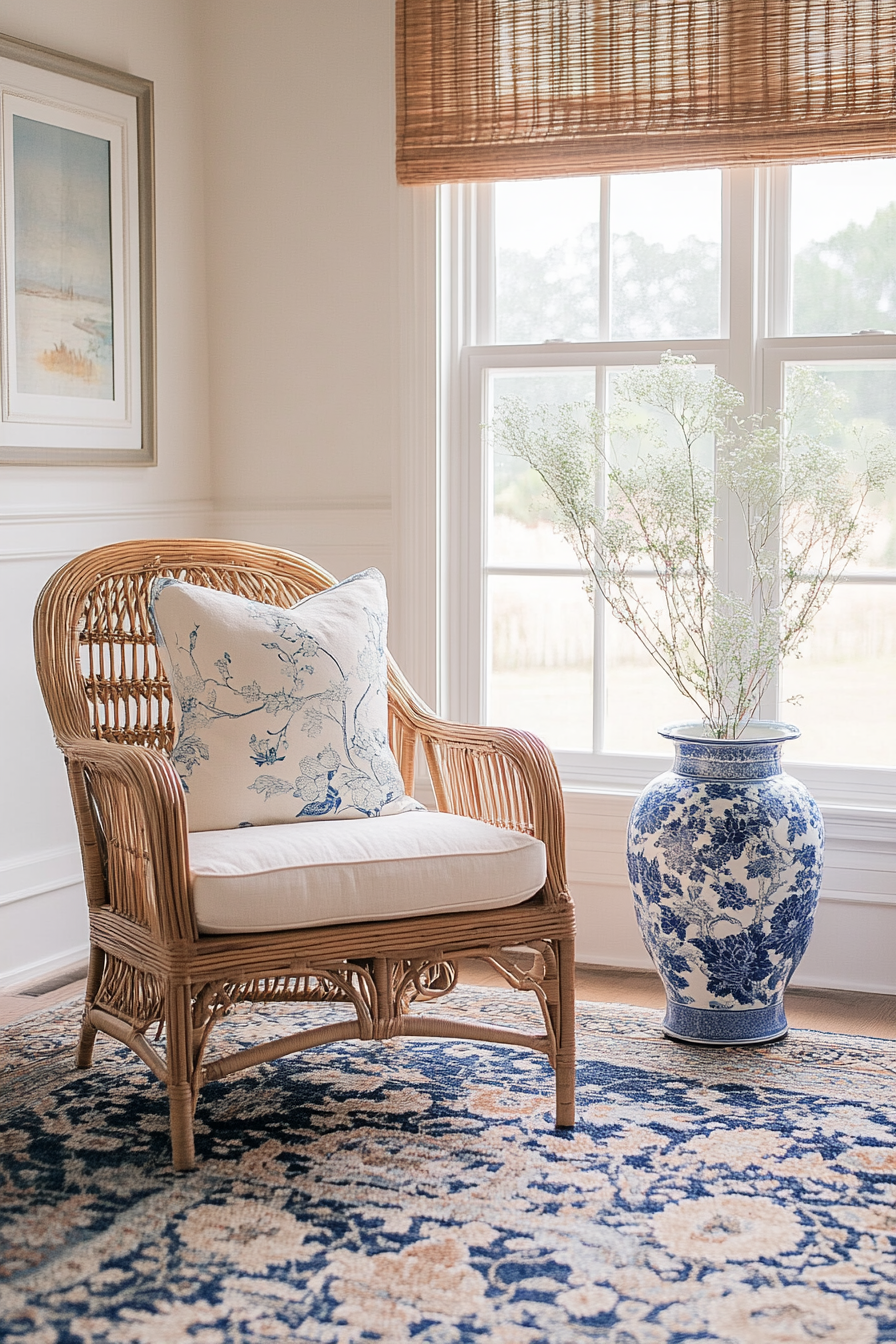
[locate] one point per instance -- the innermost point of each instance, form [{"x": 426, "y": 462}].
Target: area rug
[{"x": 417, "y": 1191}]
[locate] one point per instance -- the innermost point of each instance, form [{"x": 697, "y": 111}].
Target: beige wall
[
  {"x": 151, "y": 38},
  {"x": 277, "y": 254},
  {"x": 301, "y": 244},
  {"x": 47, "y": 513}
]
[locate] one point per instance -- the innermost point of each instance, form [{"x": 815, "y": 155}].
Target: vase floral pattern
[{"x": 725, "y": 856}]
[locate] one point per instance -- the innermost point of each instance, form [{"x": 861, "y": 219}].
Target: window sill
[{"x": 849, "y": 788}]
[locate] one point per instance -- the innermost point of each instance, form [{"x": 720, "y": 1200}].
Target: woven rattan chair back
[
  {"x": 110, "y": 706},
  {"x": 95, "y": 647}
]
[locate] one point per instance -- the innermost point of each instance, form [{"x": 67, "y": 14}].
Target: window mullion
[
  {"x": 485, "y": 262},
  {"x": 779, "y": 269},
  {"x": 605, "y": 272},
  {"x": 748, "y": 271},
  {"x": 601, "y": 615},
  {"x": 725, "y": 260},
  {"x": 778, "y": 323},
  {"x": 599, "y": 674},
  {"x": 465, "y": 213}
]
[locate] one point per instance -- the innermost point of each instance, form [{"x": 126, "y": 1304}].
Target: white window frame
[{"x": 750, "y": 352}]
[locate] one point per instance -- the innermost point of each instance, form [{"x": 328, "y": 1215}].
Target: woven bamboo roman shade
[{"x": 529, "y": 88}]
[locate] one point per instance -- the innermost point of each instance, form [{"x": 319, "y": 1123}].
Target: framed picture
[{"x": 77, "y": 273}]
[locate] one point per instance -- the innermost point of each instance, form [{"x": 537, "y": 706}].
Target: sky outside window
[
  {"x": 843, "y": 247},
  {"x": 665, "y": 257}
]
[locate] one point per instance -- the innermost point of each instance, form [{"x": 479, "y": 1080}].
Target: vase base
[
  {"x": 725, "y": 1026},
  {"x": 716, "y": 1045}
]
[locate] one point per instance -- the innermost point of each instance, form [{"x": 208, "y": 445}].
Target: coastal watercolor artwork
[
  {"x": 77, "y": 262},
  {"x": 63, "y": 262}
]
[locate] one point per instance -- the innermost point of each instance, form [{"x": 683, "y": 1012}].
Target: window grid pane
[
  {"x": 541, "y": 658},
  {"x": 666, "y": 255},
  {"x": 842, "y": 241},
  {"x": 849, "y": 657},
  {"x": 850, "y": 647}
]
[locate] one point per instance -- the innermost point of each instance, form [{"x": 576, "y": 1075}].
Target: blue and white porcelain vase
[{"x": 725, "y": 856}]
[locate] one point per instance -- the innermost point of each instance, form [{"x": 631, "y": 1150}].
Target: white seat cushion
[{"x": 259, "y": 879}]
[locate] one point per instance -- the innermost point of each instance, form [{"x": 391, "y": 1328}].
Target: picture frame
[{"x": 77, "y": 262}]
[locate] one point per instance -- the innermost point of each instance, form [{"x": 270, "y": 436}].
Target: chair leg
[
  {"x": 96, "y": 965},
  {"x": 179, "y": 1040},
  {"x": 381, "y": 971},
  {"x": 387, "y": 1010},
  {"x": 566, "y": 1035}
]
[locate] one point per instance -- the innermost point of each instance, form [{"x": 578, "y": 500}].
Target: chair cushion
[
  {"x": 281, "y": 715},
  {"x": 256, "y": 880}
]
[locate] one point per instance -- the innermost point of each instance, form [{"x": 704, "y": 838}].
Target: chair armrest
[
  {"x": 499, "y": 775},
  {"x": 132, "y": 819}
]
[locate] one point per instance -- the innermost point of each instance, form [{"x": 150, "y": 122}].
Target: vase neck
[{"x": 736, "y": 761}]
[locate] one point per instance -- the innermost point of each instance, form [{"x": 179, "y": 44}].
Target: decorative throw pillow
[{"x": 281, "y": 715}]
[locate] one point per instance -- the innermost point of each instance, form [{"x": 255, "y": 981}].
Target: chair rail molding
[
  {"x": 31, "y": 875},
  {"x": 341, "y": 535},
  {"x": 60, "y": 533},
  {"x": 76, "y": 513}
]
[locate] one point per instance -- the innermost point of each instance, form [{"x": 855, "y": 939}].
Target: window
[{"x": 560, "y": 284}]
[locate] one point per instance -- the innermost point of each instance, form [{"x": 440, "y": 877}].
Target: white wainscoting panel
[
  {"x": 43, "y": 914},
  {"x": 35, "y": 874},
  {"x": 607, "y": 931}
]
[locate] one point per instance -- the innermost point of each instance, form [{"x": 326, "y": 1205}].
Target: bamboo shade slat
[{"x": 491, "y": 89}]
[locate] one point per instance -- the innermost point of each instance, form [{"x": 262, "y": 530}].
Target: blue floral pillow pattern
[{"x": 281, "y": 715}]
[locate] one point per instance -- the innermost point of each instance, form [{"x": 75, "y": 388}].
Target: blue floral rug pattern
[{"x": 416, "y": 1191}]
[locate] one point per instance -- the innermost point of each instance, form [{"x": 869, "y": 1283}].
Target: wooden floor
[
  {"x": 821, "y": 1009},
  {"x": 32, "y": 997}
]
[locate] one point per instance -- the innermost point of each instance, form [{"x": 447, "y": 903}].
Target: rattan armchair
[{"x": 151, "y": 971}]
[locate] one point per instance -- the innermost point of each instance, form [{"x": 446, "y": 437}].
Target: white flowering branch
[{"x": 802, "y": 503}]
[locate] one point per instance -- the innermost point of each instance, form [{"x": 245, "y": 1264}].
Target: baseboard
[
  {"x": 616, "y": 964},
  {"x": 73, "y": 956},
  {"x": 826, "y": 982},
  {"x": 35, "y": 970},
  {"x": 833, "y": 982}
]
